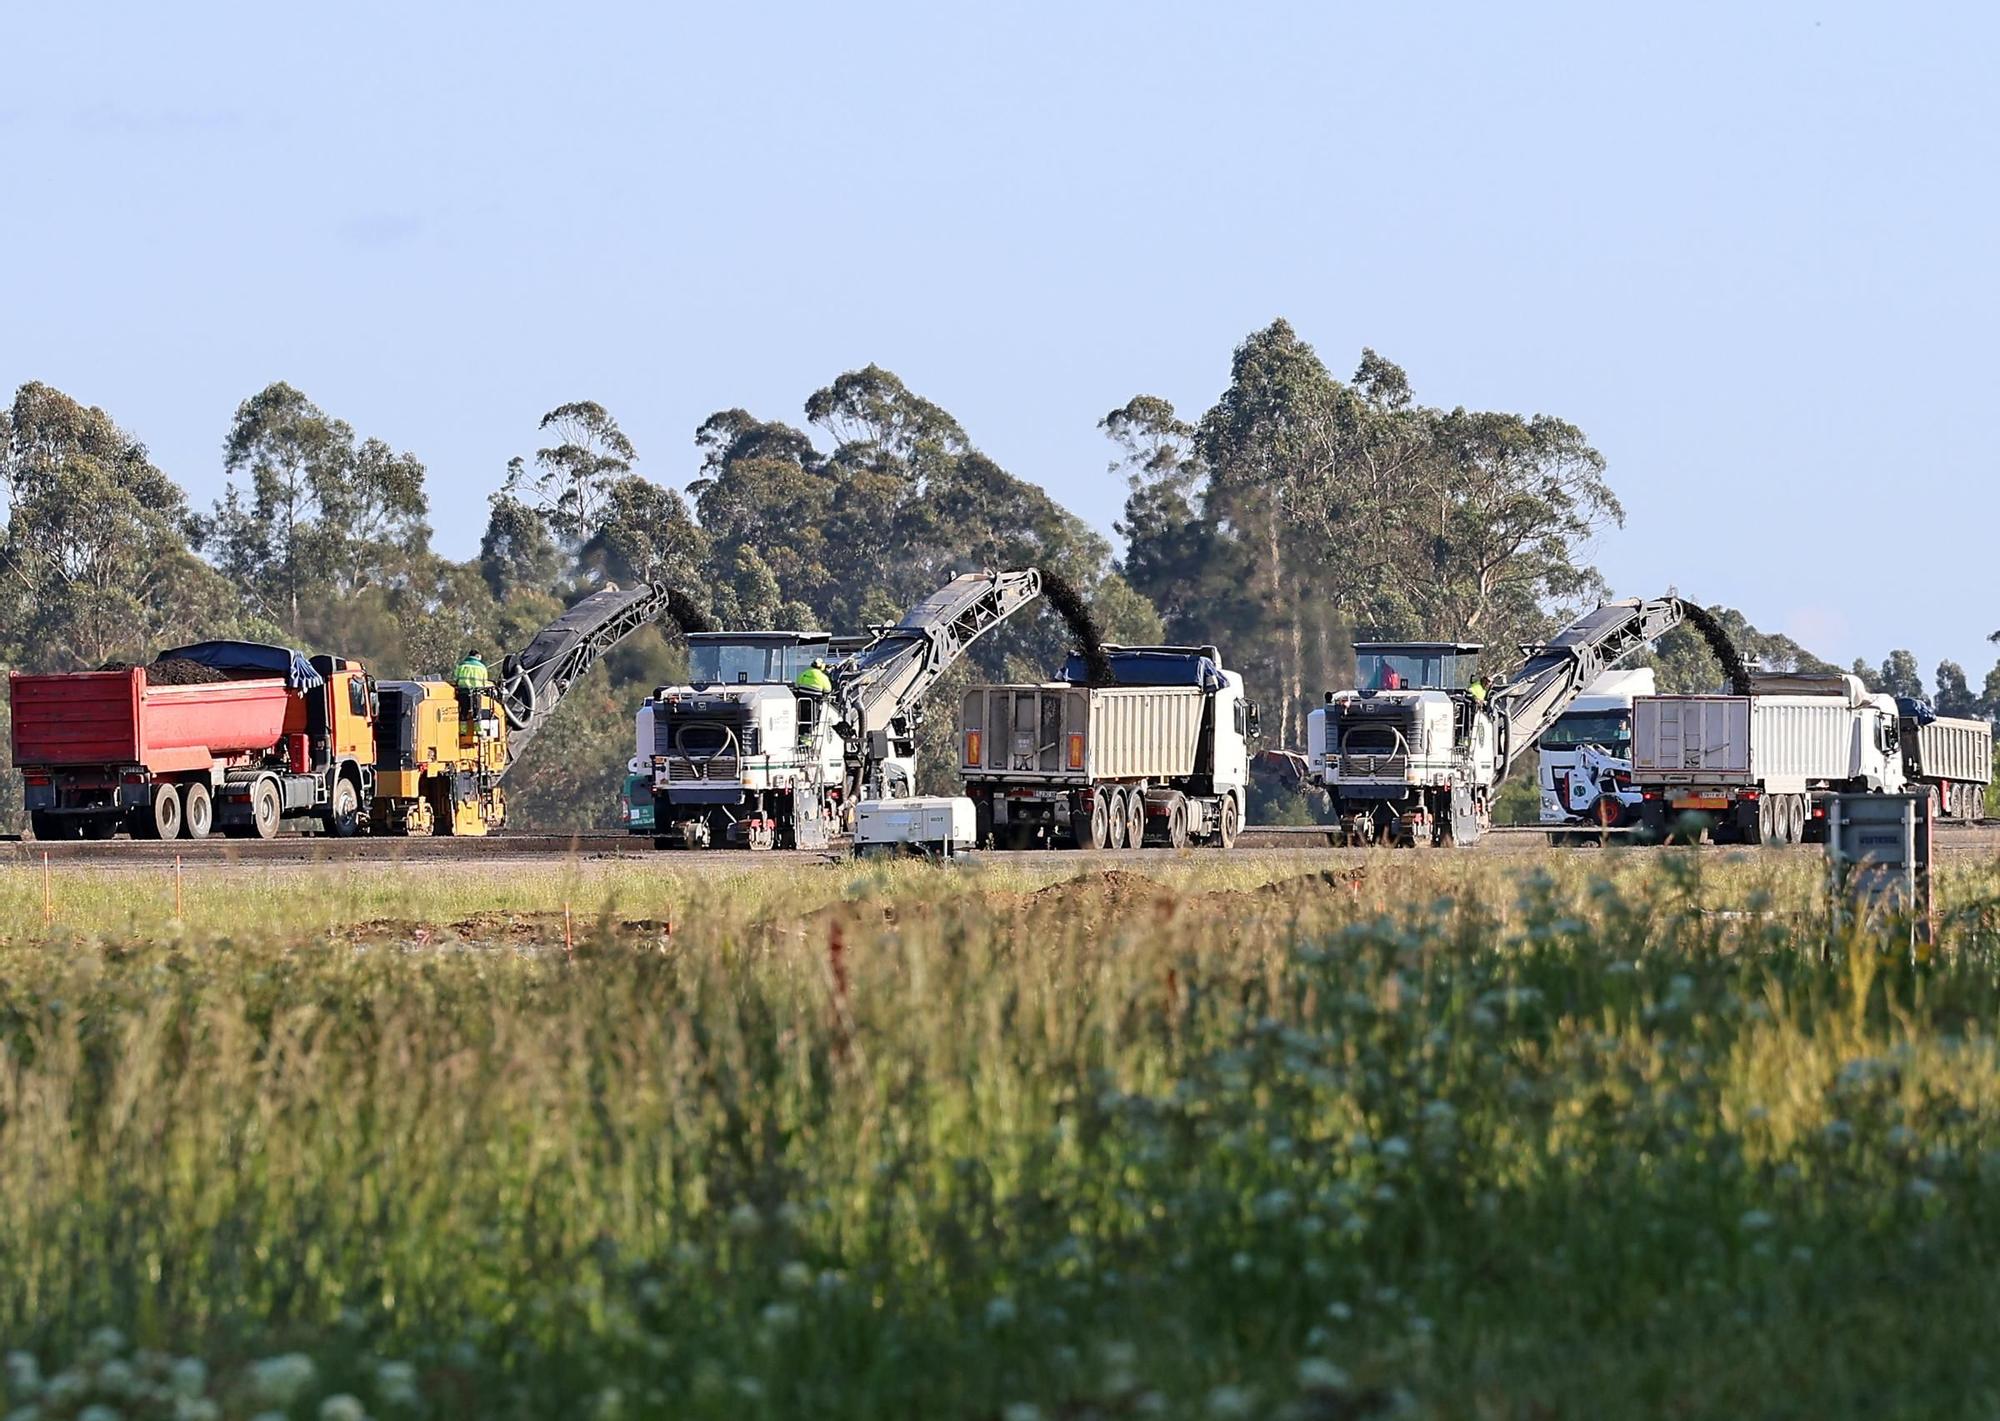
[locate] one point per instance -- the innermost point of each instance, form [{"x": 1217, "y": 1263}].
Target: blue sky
[{"x": 1749, "y": 249}]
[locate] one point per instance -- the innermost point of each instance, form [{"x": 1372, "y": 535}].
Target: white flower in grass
[
  {"x": 1228, "y": 1403},
  {"x": 1395, "y": 1147},
  {"x": 116, "y": 1376},
  {"x": 24, "y": 1374},
  {"x": 396, "y": 1383},
  {"x": 196, "y": 1408},
  {"x": 1000, "y": 1311},
  {"x": 279, "y": 1381},
  {"x": 1020, "y": 1411},
  {"x": 795, "y": 1276},
  {"x": 1755, "y": 1220},
  {"x": 744, "y": 1219},
  {"x": 98, "y": 1411},
  {"x": 780, "y": 1317},
  {"x": 1921, "y": 1188},
  {"x": 342, "y": 1407},
  {"x": 1339, "y": 1311},
  {"x": 1318, "y": 1374},
  {"x": 104, "y": 1342},
  {"x": 188, "y": 1377}
]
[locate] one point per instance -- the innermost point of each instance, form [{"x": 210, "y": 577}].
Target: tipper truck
[
  {"x": 283, "y": 738},
  {"x": 1758, "y": 768},
  {"x": 1160, "y": 755},
  {"x": 263, "y": 736}
]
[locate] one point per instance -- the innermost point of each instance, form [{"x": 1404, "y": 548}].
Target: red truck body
[{"x": 111, "y": 718}]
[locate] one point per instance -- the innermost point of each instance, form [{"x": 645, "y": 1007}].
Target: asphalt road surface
[{"x": 297, "y": 850}]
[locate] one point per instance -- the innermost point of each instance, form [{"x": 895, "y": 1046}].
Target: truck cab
[
  {"x": 741, "y": 752},
  {"x": 1584, "y": 760},
  {"x": 1390, "y": 748}
]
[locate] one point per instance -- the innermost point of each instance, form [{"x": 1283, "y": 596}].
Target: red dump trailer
[{"x": 105, "y": 750}]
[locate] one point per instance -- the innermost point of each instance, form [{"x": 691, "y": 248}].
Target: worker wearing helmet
[
  {"x": 815, "y": 679},
  {"x": 471, "y": 675}
]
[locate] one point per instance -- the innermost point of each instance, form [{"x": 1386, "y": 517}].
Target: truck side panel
[
  {"x": 1797, "y": 741},
  {"x": 116, "y": 718},
  {"x": 1143, "y": 732}
]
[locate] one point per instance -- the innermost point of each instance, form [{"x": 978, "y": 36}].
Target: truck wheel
[
  {"x": 1114, "y": 806},
  {"x": 267, "y": 809},
  {"x": 1232, "y": 823},
  {"x": 1766, "y": 830},
  {"x": 197, "y": 811},
  {"x": 343, "y": 811},
  {"x": 1795, "y": 819},
  {"x": 1135, "y": 820},
  {"x": 1177, "y": 824},
  {"x": 1100, "y": 819},
  {"x": 163, "y": 819}
]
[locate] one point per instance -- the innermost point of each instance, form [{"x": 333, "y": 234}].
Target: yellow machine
[{"x": 439, "y": 756}]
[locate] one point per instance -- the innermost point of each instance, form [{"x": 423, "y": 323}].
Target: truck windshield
[
  {"x": 1413, "y": 671},
  {"x": 1610, "y": 729},
  {"x": 732, "y": 662}
]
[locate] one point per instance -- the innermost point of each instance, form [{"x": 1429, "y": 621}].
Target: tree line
[{"x": 1298, "y": 513}]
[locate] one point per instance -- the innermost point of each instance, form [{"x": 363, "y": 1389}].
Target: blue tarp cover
[
  {"x": 1910, "y": 708},
  {"x": 1149, "y": 668},
  {"x": 252, "y": 658}
]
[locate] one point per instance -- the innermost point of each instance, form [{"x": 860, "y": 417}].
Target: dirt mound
[
  {"x": 179, "y": 671},
  {"x": 1112, "y": 891}
]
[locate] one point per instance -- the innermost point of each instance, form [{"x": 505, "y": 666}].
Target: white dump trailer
[
  {"x": 1757, "y": 768},
  {"x": 1955, "y": 758},
  {"x": 1159, "y": 756}
]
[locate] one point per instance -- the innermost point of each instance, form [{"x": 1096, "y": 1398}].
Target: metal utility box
[
  {"x": 1879, "y": 847},
  {"x": 939, "y": 824},
  {"x": 1062, "y": 732}
]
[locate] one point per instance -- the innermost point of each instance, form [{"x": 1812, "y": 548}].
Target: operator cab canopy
[
  {"x": 1414, "y": 665},
  {"x": 752, "y": 658}
]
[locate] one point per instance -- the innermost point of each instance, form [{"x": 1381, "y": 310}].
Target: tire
[
  {"x": 197, "y": 811},
  {"x": 1766, "y": 831},
  {"x": 163, "y": 820},
  {"x": 1121, "y": 818},
  {"x": 1135, "y": 821},
  {"x": 267, "y": 809},
  {"x": 343, "y": 811},
  {"x": 1177, "y": 824},
  {"x": 1100, "y": 819},
  {"x": 1232, "y": 823},
  {"x": 1795, "y": 819}
]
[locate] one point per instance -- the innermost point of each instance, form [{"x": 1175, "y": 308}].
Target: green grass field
[{"x": 1448, "y": 1136}]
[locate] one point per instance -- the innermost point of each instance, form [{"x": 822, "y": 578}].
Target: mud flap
[
  {"x": 811, "y": 826},
  {"x": 1465, "y": 826}
]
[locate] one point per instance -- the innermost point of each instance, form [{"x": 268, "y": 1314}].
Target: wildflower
[
  {"x": 98, "y": 1411},
  {"x": 1921, "y": 1188},
  {"x": 1339, "y": 1311},
  {"x": 1241, "y": 1262},
  {"x": 279, "y": 1381},
  {"x": 342, "y": 1407},
  {"x": 749, "y": 1388},
  {"x": 196, "y": 1408},
  {"x": 796, "y": 1276},
  {"x": 1396, "y": 1147},
  {"x": 188, "y": 1377},
  {"x": 1274, "y": 1205},
  {"x": 1000, "y": 1311},
  {"x": 397, "y": 1383},
  {"x": 1020, "y": 1411},
  {"x": 1318, "y": 1374},
  {"x": 1227, "y": 1403},
  {"x": 744, "y": 1220},
  {"x": 1754, "y": 1220},
  {"x": 780, "y": 1317},
  {"x": 24, "y": 1374},
  {"x": 116, "y": 1376}
]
